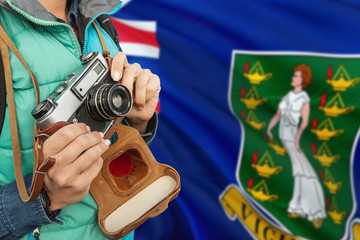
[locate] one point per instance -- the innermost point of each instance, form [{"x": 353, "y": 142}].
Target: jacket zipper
[
  {"x": 37, "y": 21},
  {"x": 36, "y": 234},
  {"x": 71, "y": 32},
  {"x": 73, "y": 38}
]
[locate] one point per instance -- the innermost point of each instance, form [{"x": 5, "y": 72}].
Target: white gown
[{"x": 308, "y": 196}]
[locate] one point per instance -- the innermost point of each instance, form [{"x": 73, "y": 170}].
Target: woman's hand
[
  {"x": 77, "y": 152},
  {"x": 272, "y": 124},
  {"x": 297, "y": 146},
  {"x": 142, "y": 84},
  {"x": 270, "y": 134}
]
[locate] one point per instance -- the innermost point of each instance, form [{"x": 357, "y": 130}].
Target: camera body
[{"x": 88, "y": 95}]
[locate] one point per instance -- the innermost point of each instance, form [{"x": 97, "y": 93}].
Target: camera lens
[
  {"x": 109, "y": 101},
  {"x": 117, "y": 100}
]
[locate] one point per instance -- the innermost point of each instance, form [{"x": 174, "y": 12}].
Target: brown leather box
[{"x": 124, "y": 202}]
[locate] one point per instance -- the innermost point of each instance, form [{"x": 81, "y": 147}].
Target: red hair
[{"x": 306, "y": 74}]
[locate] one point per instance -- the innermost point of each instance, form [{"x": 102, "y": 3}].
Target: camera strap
[
  {"x": 106, "y": 53},
  {"x": 41, "y": 165}
]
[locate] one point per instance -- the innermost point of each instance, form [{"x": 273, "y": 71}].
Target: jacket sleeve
[
  {"x": 150, "y": 129},
  {"x": 18, "y": 218}
]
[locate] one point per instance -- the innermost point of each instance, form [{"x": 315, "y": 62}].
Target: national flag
[
  {"x": 137, "y": 38},
  {"x": 201, "y": 137}
]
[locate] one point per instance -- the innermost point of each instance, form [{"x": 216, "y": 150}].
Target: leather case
[{"x": 127, "y": 199}]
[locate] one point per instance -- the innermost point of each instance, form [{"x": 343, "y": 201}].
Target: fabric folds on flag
[{"x": 192, "y": 45}]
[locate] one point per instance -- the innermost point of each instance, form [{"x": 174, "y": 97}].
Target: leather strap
[
  {"x": 13, "y": 48},
  {"x": 106, "y": 53},
  {"x": 41, "y": 166}
]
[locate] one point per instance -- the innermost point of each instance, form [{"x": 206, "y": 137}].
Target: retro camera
[
  {"x": 130, "y": 172},
  {"x": 88, "y": 95}
]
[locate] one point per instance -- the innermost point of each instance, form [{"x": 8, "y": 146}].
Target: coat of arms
[{"x": 300, "y": 116}]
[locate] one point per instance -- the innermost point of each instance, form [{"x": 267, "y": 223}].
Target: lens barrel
[{"x": 108, "y": 101}]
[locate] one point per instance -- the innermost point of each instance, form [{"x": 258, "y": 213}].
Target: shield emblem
[{"x": 299, "y": 116}]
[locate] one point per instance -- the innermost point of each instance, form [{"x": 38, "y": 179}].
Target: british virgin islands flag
[{"x": 259, "y": 113}]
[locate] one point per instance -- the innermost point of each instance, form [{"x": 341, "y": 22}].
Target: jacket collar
[{"x": 88, "y": 9}]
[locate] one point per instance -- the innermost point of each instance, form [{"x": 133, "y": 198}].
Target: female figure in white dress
[{"x": 308, "y": 197}]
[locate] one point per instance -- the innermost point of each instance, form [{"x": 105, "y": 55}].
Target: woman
[
  {"x": 51, "y": 35},
  {"x": 308, "y": 197}
]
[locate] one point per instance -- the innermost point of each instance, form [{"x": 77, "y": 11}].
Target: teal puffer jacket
[{"x": 52, "y": 51}]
